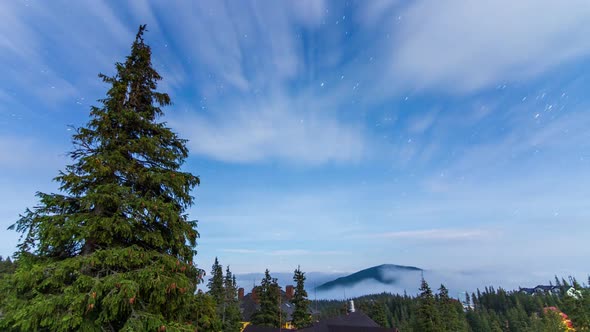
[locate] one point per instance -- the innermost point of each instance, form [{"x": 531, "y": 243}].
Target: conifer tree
[
  {"x": 450, "y": 311},
  {"x": 6, "y": 266},
  {"x": 204, "y": 314},
  {"x": 216, "y": 289},
  {"x": 269, "y": 313},
  {"x": 550, "y": 322},
  {"x": 114, "y": 249},
  {"x": 301, "y": 317},
  {"x": 427, "y": 317},
  {"x": 578, "y": 308},
  {"x": 377, "y": 312},
  {"x": 232, "y": 316}
]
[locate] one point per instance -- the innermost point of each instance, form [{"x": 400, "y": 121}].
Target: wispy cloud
[
  {"x": 462, "y": 46},
  {"x": 284, "y": 252},
  {"x": 274, "y": 129},
  {"x": 302, "y": 252},
  {"x": 25, "y": 43},
  {"x": 267, "y": 119},
  {"x": 240, "y": 251},
  {"x": 434, "y": 234}
]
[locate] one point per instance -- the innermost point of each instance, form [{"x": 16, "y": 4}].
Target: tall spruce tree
[
  {"x": 452, "y": 317},
  {"x": 114, "y": 249},
  {"x": 301, "y": 317},
  {"x": 378, "y": 312},
  {"x": 204, "y": 314},
  {"x": 427, "y": 317},
  {"x": 232, "y": 317},
  {"x": 6, "y": 266},
  {"x": 216, "y": 289},
  {"x": 269, "y": 313}
]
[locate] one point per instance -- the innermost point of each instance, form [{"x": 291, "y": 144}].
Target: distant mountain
[{"x": 387, "y": 274}]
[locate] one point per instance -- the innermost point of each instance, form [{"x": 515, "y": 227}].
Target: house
[
  {"x": 547, "y": 289},
  {"x": 540, "y": 289},
  {"x": 529, "y": 291}
]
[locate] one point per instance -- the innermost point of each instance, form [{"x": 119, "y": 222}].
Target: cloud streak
[
  {"x": 434, "y": 234},
  {"x": 466, "y": 46},
  {"x": 274, "y": 129},
  {"x": 283, "y": 252}
]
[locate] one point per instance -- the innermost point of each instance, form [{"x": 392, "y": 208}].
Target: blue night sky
[{"x": 332, "y": 135}]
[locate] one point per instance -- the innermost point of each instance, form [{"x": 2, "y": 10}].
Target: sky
[{"x": 334, "y": 135}]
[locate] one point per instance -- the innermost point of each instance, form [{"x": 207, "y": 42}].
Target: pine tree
[
  {"x": 377, "y": 312},
  {"x": 216, "y": 289},
  {"x": 6, "y": 266},
  {"x": 301, "y": 317},
  {"x": 114, "y": 249},
  {"x": 452, "y": 317},
  {"x": 232, "y": 316},
  {"x": 517, "y": 318},
  {"x": 550, "y": 322},
  {"x": 427, "y": 317},
  {"x": 204, "y": 314},
  {"x": 578, "y": 309},
  {"x": 269, "y": 313}
]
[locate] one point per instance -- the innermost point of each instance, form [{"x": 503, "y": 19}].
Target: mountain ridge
[{"x": 388, "y": 274}]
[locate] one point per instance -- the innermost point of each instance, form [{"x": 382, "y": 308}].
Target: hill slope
[{"x": 388, "y": 274}]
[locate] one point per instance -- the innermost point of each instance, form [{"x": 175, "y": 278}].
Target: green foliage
[
  {"x": 215, "y": 286},
  {"x": 6, "y": 266},
  {"x": 549, "y": 321},
  {"x": 427, "y": 316},
  {"x": 301, "y": 317},
  {"x": 492, "y": 311},
  {"x": 269, "y": 313},
  {"x": 204, "y": 314},
  {"x": 114, "y": 250},
  {"x": 450, "y": 311},
  {"x": 578, "y": 309},
  {"x": 232, "y": 317},
  {"x": 378, "y": 312},
  {"x": 224, "y": 292}
]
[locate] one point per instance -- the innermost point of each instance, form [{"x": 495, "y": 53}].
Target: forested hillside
[{"x": 490, "y": 310}]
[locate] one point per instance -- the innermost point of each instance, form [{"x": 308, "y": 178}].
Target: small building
[{"x": 540, "y": 289}]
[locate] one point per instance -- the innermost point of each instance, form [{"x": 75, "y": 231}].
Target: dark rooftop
[
  {"x": 252, "y": 328},
  {"x": 352, "y": 322}
]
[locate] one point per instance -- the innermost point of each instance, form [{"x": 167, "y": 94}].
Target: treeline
[
  {"x": 490, "y": 310},
  {"x": 219, "y": 308},
  {"x": 221, "y": 305},
  {"x": 6, "y": 266}
]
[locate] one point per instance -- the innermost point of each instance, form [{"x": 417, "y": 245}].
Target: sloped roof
[
  {"x": 252, "y": 328},
  {"x": 352, "y": 322},
  {"x": 544, "y": 288},
  {"x": 336, "y": 328}
]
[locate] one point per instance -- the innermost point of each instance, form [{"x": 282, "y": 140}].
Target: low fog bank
[
  {"x": 313, "y": 279},
  {"x": 457, "y": 282}
]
